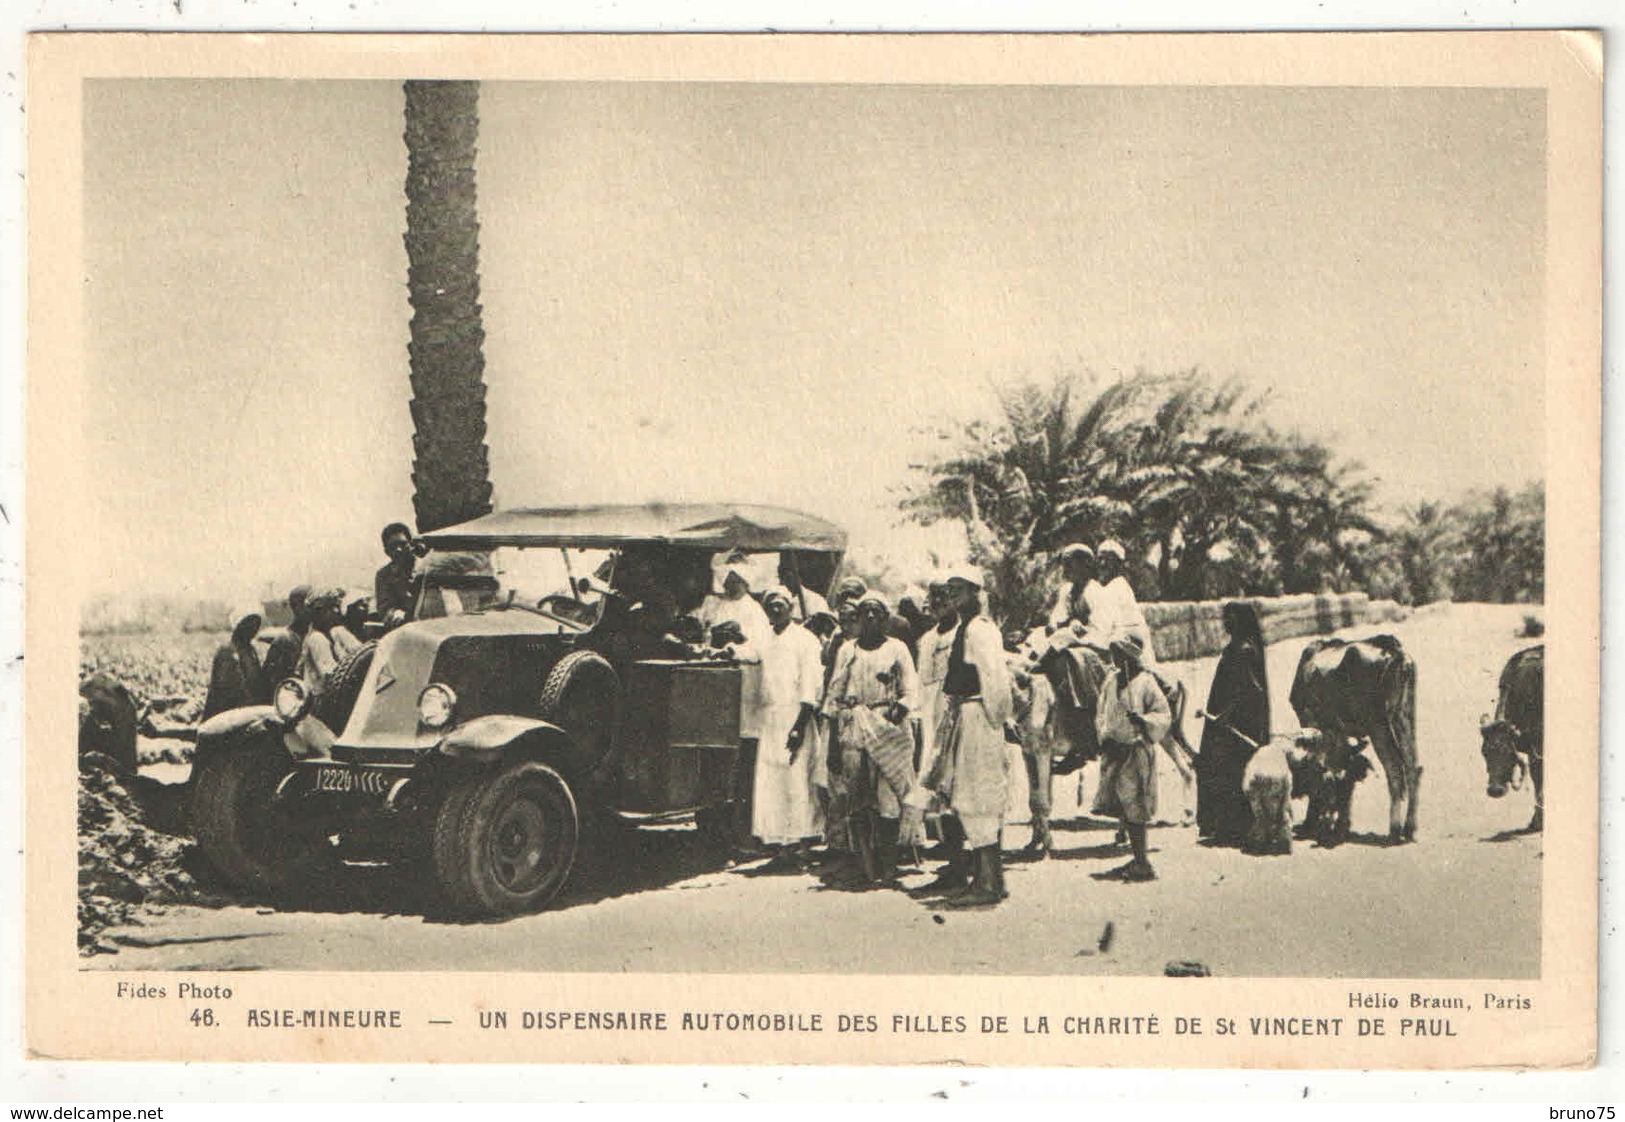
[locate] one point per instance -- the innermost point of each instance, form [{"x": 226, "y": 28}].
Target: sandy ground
[{"x": 1463, "y": 902}]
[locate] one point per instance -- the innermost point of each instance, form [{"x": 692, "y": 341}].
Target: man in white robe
[
  {"x": 1114, "y": 611},
  {"x": 1072, "y": 599},
  {"x": 931, "y": 661},
  {"x": 971, "y": 766},
  {"x": 784, "y": 812}
]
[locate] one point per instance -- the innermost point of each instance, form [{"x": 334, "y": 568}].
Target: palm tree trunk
[{"x": 450, "y": 469}]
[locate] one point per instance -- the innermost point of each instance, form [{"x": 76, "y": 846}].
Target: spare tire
[
  {"x": 582, "y": 695},
  {"x": 343, "y": 687}
]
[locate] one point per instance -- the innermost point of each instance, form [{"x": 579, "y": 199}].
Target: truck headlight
[
  {"x": 291, "y": 700},
  {"x": 436, "y": 706}
]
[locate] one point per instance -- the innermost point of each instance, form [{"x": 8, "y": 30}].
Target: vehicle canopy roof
[{"x": 711, "y": 526}]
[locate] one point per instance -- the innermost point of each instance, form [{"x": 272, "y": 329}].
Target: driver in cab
[{"x": 640, "y": 611}]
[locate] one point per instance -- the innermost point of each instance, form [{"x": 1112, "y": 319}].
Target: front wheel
[
  {"x": 505, "y": 842},
  {"x": 243, "y": 831}
]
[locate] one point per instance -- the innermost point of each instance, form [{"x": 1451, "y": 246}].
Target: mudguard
[
  {"x": 251, "y": 720},
  {"x": 484, "y": 738}
]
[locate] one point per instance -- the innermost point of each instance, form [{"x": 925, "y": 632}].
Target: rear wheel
[
  {"x": 243, "y": 830},
  {"x": 505, "y": 842}
]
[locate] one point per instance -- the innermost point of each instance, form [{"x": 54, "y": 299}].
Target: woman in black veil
[{"x": 1238, "y": 702}]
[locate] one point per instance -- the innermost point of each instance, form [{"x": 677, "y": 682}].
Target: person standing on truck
[{"x": 395, "y": 588}]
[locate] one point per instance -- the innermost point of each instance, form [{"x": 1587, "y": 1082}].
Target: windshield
[
  {"x": 571, "y": 583},
  {"x": 457, "y": 583}
]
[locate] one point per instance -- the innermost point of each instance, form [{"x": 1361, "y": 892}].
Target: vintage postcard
[{"x": 991, "y": 549}]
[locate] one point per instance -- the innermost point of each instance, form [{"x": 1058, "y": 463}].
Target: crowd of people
[
  {"x": 326, "y": 628},
  {"x": 869, "y": 729}
]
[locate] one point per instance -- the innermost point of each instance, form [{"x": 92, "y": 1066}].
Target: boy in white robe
[{"x": 1131, "y": 719}]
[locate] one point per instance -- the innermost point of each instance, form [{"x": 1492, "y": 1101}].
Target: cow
[
  {"x": 1357, "y": 693},
  {"x": 1513, "y": 739}
]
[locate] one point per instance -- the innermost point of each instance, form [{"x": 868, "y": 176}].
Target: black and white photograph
[{"x": 859, "y": 529}]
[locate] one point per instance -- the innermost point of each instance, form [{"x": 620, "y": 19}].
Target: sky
[{"x": 755, "y": 292}]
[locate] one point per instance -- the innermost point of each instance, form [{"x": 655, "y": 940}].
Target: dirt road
[{"x": 1463, "y": 902}]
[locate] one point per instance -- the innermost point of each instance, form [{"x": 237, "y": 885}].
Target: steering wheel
[{"x": 566, "y": 609}]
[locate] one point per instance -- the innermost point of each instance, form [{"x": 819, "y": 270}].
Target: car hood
[{"x": 386, "y": 710}]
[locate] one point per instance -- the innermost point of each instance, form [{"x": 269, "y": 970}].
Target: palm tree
[
  {"x": 1421, "y": 545},
  {"x": 1503, "y": 546},
  {"x": 1319, "y": 513},
  {"x": 1037, "y": 477},
  {"x": 1199, "y": 464},
  {"x": 1183, "y": 469},
  {"x": 451, "y": 470}
]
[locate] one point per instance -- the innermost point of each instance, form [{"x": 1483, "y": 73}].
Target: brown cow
[{"x": 1359, "y": 693}]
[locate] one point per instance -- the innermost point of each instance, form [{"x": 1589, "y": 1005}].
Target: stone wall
[{"x": 1193, "y": 629}]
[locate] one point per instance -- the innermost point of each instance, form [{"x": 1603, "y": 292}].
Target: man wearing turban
[
  {"x": 736, "y": 621},
  {"x": 784, "y": 812},
  {"x": 1114, "y": 610},
  {"x": 970, "y": 767},
  {"x": 873, "y": 690}
]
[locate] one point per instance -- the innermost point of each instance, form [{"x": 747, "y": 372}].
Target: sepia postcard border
[{"x": 74, "y": 1014}]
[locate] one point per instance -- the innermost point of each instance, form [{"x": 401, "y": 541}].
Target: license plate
[{"x": 364, "y": 780}]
